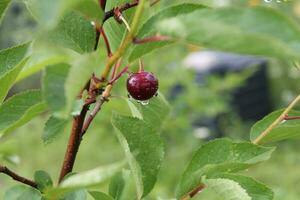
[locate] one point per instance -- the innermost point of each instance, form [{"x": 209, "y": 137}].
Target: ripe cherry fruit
[{"x": 142, "y": 85}]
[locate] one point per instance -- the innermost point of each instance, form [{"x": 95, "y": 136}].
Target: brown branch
[
  {"x": 90, "y": 118},
  {"x": 73, "y": 144},
  {"x": 121, "y": 8},
  {"x": 16, "y": 177}
]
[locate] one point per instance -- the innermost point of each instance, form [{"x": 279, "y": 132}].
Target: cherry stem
[
  {"x": 116, "y": 68},
  {"x": 16, "y": 177},
  {"x": 156, "y": 38},
  {"x": 109, "y": 53},
  {"x": 112, "y": 81},
  {"x": 141, "y": 66}
]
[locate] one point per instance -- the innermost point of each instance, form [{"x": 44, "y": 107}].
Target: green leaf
[
  {"x": 91, "y": 178},
  {"x": 19, "y": 109},
  {"x": 22, "y": 192},
  {"x": 143, "y": 148},
  {"x": 3, "y": 6},
  {"x": 11, "y": 63},
  {"x": 254, "y": 31},
  {"x": 53, "y": 127},
  {"x": 227, "y": 189},
  {"x": 74, "y": 32},
  {"x": 285, "y": 130},
  {"x": 220, "y": 155},
  {"x": 78, "y": 76},
  {"x": 90, "y": 9},
  {"x": 39, "y": 60},
  {"x": 148, "y": 28},
  {"x": 42, "y": 179},
  {"x": 48, "y": 13},
  {"x": 100, "y": 196},
  {"x": 121, "y": 186},
  {"x": 253, "y": 188},
  {"x": 116, "y": 185},
  {"x": 76, "y": 195},
  {"x": 54, "y": 78},
  {"x": 154, "y": 113}
]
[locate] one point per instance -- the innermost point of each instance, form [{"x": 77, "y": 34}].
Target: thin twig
[
  {"x": 156, "y": 38},
  {"x": 122, "y": 8},
  {"x": 291, "y": 117},
  {"x": 193, "y": 193},
  {"x": 117, "y": 76},
  {"x": 277, "y": 121},
  {"x": 103, "y": 99},
  {"x": 109, "y": 53},
  {"x": 21, "y": 179},
  {"x": 102, "y": 4},
  {"x": 116, "y": 68},
  {"x": 98, "y": 32}
]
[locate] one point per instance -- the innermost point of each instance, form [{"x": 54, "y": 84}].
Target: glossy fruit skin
[{"x": 142, "y": 85}]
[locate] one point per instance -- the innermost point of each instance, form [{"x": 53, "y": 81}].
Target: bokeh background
[{"x": 212, "y": 94}]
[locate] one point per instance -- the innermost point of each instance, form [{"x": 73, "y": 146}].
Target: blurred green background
[{"x": 24, "y": 151}]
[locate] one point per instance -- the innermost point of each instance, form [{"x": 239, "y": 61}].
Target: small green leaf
[
  {"x": 143, "y": 148},
  {"x": 42, "y": 179},
  {"x": 76, "y": 195},
  {"x": 116, "y": 185},
  {"x": 122, "y": 186},
  {"x": 285, "y": 130},
  {"x": 54, "y": 78},
  {"x": 3, "y": 6},
  {"x": 100, "y": 196},
  {"x": 91, "y": 178},
  {"x": 220, "y": 155},
  {"x": 254, "y": 189},
  {"x": 154, "y": 113},
  {"x": 22, "y": 192},
  {"x": 227, "y": 189},
  {"x": 90, "y": 9},
  {"x": 74, "y": 32},
  {"x": 41, "y": 58},
  {"x": 11, "y": 63},
  {"x": 53, "y": 127},
  {"x": 148, "y": 30},
  {"x": 78, "y": 76},
  {"x": 48, "y": 13},
  {"x": 19, "y": 109}
]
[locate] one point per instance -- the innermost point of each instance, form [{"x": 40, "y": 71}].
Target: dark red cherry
[{"x": 142, "y": 85}]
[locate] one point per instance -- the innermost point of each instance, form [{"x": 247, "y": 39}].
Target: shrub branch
[{"x": 16, "y": 177}]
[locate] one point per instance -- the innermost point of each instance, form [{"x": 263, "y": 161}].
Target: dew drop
[{"x": 144, "y": 103}]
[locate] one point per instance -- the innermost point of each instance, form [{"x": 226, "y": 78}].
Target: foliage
[{"x": 71, "y": 86}]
